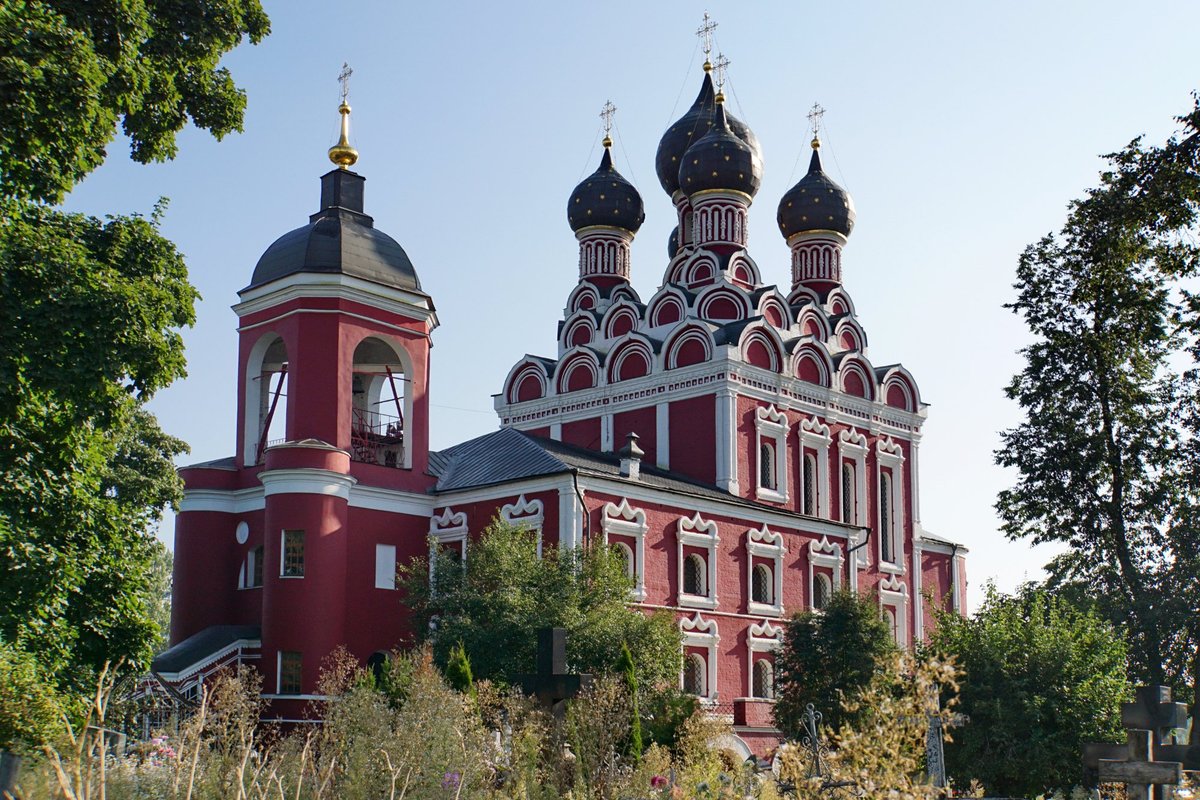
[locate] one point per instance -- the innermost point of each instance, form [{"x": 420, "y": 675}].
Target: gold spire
[{"x": 342, "y": 154}]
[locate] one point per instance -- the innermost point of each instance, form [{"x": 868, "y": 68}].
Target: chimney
[{"x": 631, "y": 457}]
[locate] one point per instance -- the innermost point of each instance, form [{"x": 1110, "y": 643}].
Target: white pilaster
[
  {"x": 727, "y": 477},
  {"x": 606, "y": 433},
  {"x": 662, "y": 435}
]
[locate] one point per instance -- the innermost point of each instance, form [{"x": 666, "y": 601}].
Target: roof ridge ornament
[
  {"x": 814, "y": 119},
  {"x": 719, "y": 68},
  {"x": 705, "y": 33},
  {"x": 607, "y": 113},
  {"x": 343, "y": 154}
]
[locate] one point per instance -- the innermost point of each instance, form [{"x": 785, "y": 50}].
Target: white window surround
[
  {"x": 624, "y": 520},
  {"x": 814, "y": 435},
  {"x": 893, "y": 594},
  {"x": 765, "y": 543},
  {"x": 889, "y": 455},
  {"x": 449, "y": 527},
  {"x": 824, "y": 553},
  {"x": 771, "y": 426},
  {"x": 698, "y": 532},
  {"x": 283, "y": 536},
  {"x": 701, "y": 633},
  {"x": 852, "y": 447},
  {"x": 385, "y": 566},
  {"x": 768, "y": 682},
  {"x": 527, "y": 515},
  {"x": 761, "y": 638}
]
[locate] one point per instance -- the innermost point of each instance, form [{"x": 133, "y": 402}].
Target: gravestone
[
  {"x": 935, "y": 754},
  {"x": 1148, "y": 764},
  {"x": 551, "y": 684}
]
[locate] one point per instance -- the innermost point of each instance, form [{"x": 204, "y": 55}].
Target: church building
[{"x": 732, "y": 439}]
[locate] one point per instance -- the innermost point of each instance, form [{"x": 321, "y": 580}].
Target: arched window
[
  {"x": 267, "y": 400},
  {"x": 763, "y": 684},
  {"x": 766, "y": 465},
  {"x": 822, "y": 591},
  {"x": 377, "y": 416},
  {"x": 887, "y": 543},
  {"x": 764, "y": 585},
  {"x": 889, "y": 617},
  {"x": 693, "y": 576},
  {"x": 848, "y": 493},
  {"x": 810, "y": 485},
  {"x": 623, "y": 552},
  {"x": 695, "y": 674}
]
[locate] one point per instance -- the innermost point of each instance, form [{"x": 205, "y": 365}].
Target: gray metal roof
[{"x": 197, "y": 647}]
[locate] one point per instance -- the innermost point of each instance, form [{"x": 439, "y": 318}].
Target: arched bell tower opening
[
  {"x": 266, "y": 406},
  {"x": 381, "y": 405}
]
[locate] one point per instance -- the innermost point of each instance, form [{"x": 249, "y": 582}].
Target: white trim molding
[
  {"x": 528, "y": 515},
  {"x": 449, "y": 527},
  {"x": 824, "y": 554},
  {"x": 699, "y": 632},
  {"x": 893, "y": 594},
  {"x": 306, "y": 480},
  {"x": 624, "y": 520},
  {"x": 760, "y": 638},
  {"x": 852, "y": 446},
  {"x": 890, "y": 456},
  {"x": 726, "y": 424},
  {"x": 765, "y": 543},
  {"x": 698, "y": 532},
  {"x": 814, "y": 435},
  {"x": 771, "y": 428}
]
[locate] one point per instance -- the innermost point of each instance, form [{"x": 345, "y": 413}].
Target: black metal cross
[
  {"x": 1147, "y": 759},
  {"x": 551, "y": 684}
]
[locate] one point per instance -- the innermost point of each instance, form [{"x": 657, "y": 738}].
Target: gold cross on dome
[
  {"x": 344, "y": 79},
  {"x": 607, "y": 113},
  {"x": 814, "y": 117},
  {"x": 719, "y": 67},
  {"x": 705, "y": 32}
]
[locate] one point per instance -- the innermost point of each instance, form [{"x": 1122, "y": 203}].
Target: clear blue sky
[{"x": 961, "y": 129}]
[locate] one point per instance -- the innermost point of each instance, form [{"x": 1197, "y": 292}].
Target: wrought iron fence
[{"x": 376, "y": 438}]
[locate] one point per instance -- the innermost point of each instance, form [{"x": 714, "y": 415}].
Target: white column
[
  {"x": 918, "y": 602},
  {"x": 662, "y": 435},
  {"x": 606, "y": 433},
  {"x": 727, "y": 477},
  {"x": 570, "y": 516}
]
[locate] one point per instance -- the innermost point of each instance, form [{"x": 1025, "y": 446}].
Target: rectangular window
[
  {"x": 848, "y": 493},
  {"x": 810, "y": 485},
  {"x": 291, "y": 672},
  {"x": 385, "y": 566},
  {"x": 256, "y": 566},
  {"x": 292, "y": 565}
]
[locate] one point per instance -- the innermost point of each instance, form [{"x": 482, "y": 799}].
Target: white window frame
[
  {"x": 696, "y": 531},
  {"x": 449, "y": 527},
  {"x": 701, "y": 633},
  {"x": 283, "y": 553},
  {"x": 771, "y": 426},
  {"x": 770, "y": 688},
  {"x": 893, "y": 594},
  {"x": 624, "y": 520},
  {"x": 814, "y": 435},
  {"x": 528, "y": 515},
  {"x": 852, "y": 446},
  {"x": 824, "y": 554},
  {"x": 385, "y": 555},
  {"x": 889, "y": 455},
  {"x": 761, "y": 638},
  {"x": 279, "y": 675},
  {"x": 765, "y": 543}
]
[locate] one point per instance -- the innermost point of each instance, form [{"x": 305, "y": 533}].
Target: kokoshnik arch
[{"x": 733, "y": 440}]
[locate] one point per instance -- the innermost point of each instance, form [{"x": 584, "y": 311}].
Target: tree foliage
[
  {"x": 828, "y": 659},
  {"x": 1107, "y": 459},
  {"x": 496, "y": 601},
  {"x": 72, "y": 70},
  {"x": 1040, "y": 678}
]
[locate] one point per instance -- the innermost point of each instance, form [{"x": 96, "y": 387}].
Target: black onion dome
[
  {"x": 720, "y": 160},
  {"x": 339, "y": 239},
  {"x": 673, "y": 242},
  {"x": 816, "y": 203},
  {"x": 686, "y": 130},
  {"x": 606, "y": 198}
]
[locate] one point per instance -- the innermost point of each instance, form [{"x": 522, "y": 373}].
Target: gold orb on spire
[{"x": 342, "y": 154}]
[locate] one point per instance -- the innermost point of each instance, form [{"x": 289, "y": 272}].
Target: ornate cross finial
[
  {"x": 344, "y": 79},
  {"x": 607, "y": 113},
  {"x": 814, "y": 119},
  {"x": 705, "y": 32},
  {"x": 719, "y": 67}
]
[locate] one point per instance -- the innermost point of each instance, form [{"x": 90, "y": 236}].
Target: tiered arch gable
[
  {"x": 690, "y": 343},
  {"x": 898, "y": 388},
  {"x": 855, "y": 375},
  {"x": 666, "y": 307},
  {"x": 811, "y": 321},
  {"x": 811, "y": 363},
  {"x": 631, "y": 357},
  {"x": 625, "y": 292},
  {"x": 621, "y": 318},
  {"x": 761, "y": 346},
  {"x": 701, "y": 269},
  {"x": 743, "y": 271},
  {"x": 724, "y": 303},
  {"x": 849, "y": 335},
  {"x": 802, "y": 296},
  {"x": 579, "y": 329},
  {"x": 527, "y": 380},
  {"x": 774, "y": 309},
  {"x": 578, "y": 369},
  {"x": 585, "y": 295},
  {"x": 838, "y": 302}
]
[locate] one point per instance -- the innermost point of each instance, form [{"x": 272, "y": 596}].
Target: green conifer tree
[
  {"x": 458, "y": 671},
  {"x": 626, "y": 669}
]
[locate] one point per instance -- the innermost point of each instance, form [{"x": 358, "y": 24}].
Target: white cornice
[
  {"x": 306, "y": 480},
  {"x": 377, "y": 498},
  {"x": 346, "y": 287},
  {"x": 237, "y": 501}
]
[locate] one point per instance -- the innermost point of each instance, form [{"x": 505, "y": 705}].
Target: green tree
[
  {"x": 458, "y": 671},
  {"x": 828, "y": 659},
  {"x": 626, "y": 669},
  {"x": 1040, "y": 678},
  {"x": 92, "y": 312},
  {"x": 1103, "y": 464},
  {"x": 73, "y": 70},
  {"x": 496, "y": 601}
]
